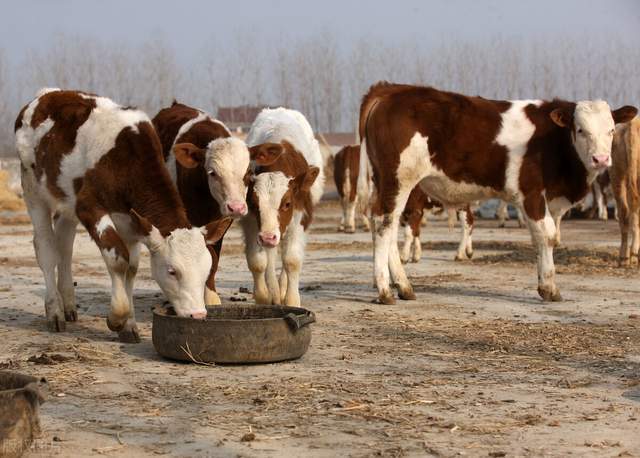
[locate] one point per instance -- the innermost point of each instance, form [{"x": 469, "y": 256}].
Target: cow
[
  {"x": 412, "y": 218},
  {"x": 541, "y": 156},
  {"x": 86, "y": 159},
  {"x": 210, "y": 169},
  {"x": 346, "y": 167},
  {"x": 624, "y": 170},
  {"x": 287, "y": 183}
]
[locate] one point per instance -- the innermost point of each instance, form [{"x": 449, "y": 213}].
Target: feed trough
[
  {"x": 20, "y": 399},
  {"x": 234, "y": 334}
]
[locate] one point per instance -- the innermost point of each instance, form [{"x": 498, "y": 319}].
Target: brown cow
[
  {"x": 412, "y": 218},
  {"x": 539, "y": 155},
  {"x": 624, "y": 180},
  {"x": 345, "y": 173},
  {"x": 85, "y": 158},
  {"x": 210, "y": 169}
]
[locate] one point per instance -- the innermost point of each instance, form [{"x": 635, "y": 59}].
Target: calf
[
  {"x": 624, "y": 171},
  {"x": 204, "y": 161},
  {"x": 541, "y": 156},
  {"x": 412, "y": 217},
  {"x": 345, "y": 173},
  {"x": 287, "y": 184},
  {"x": 84, "y": 158}
]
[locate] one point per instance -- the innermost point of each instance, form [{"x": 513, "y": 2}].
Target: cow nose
[
  {"x": 600, "y": 160},
  {"x": 268, "y": 238},
  {"x": 199, "y": 315},
  {"x": 237, "y": 208}
]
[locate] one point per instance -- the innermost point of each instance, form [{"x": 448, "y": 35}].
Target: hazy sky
[{"x": 186, "y": 24}]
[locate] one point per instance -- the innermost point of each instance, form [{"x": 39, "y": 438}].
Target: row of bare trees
[{"x": 323, "y": 78}]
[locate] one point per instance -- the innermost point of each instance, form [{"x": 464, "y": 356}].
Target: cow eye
[
  {"x": 611, "y": 132},
  {"x": 286, "y": 205},
  {"x": 579, "y": 130},
  {"x": 171, "y": 271},
  {"x": 211, "y": 173}
]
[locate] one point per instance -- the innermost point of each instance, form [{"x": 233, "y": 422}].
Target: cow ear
[
  {"x": 189, "y": 155},
  {"x": 215, "y": 230},
  {"x": 624, "y": 114},
  {"x": 266, "y": 153},
  {"x": 305, "y": 180},
  {"x": 150, "y": 235},
  {"x": 561, "y": 117}
]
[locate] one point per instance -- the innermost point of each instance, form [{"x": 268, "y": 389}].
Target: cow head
[
  {"x": 273, "y": 196},
  {"x": 180, "y": 262},
  {"x": 226, "y": 162},
  {"x": 592, "y": 124}
]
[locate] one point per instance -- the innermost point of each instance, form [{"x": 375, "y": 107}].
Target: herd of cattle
[{"x": 176, "y": 182}]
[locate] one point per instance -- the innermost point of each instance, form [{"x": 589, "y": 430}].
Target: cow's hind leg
[
  {"x": 44, "y": 243},
  {"x": 65, "y": 230},
  {"x": 396, "y": 269},
  {"x": 465, "y": 248},
  {"x": 634, "y": 223},
  {"x": 350, "y": 216},
  {"x": 405, "y": 254}
]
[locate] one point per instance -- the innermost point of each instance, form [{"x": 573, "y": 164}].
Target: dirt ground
[{"x": 477, "y": 366}]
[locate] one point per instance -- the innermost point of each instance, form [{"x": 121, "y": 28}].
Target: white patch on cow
[
  {"x": 228, "y": 159},
  {"x": 27, "y": 138},
  {"x": 515, "y": 132},
  {"x": 270, "y": 187},
  {"x": 346, "y": 185},
  {"x": 95, "y": 138},
  {"x": 593, "y": 136},
  {"x": 275, "y": 125},
  {"x": 104, "y": 223}
]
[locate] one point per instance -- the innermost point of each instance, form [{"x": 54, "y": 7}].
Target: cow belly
[{"x": 452, "y": 192}]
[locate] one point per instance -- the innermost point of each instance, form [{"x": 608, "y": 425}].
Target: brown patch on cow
[
  {"x": 348, "y": 158},
  {"x": 413, "y": 212},
  {"x": 18, "y": 123},
  {"x": 461, "y": 134}
]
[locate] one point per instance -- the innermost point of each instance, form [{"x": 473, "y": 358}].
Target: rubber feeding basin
[{"x": 234, "y": 334}]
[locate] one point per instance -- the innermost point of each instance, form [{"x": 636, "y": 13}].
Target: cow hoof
[
  {"x": 71, "y": 315},
  {"x": 624, "y": 262},
  {"x": 407, "y": 295},
  {"x": 115, "y": 327},
  {"x": 349, "y": 230},
  {"x": 404, "y": 260},
  {"x": 549, "y": 295},
  {"x": 458, "y": 258},
  {"x": 129, "y": 334},
  {"x": 385, "y": 299},
  {"x": 415, "y": 260},
  {"x": 56, "y": 324},
  {"x": 469, "y": 254}
]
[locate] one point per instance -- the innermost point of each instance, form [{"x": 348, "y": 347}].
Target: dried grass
[{"x": 9, "y": 201}]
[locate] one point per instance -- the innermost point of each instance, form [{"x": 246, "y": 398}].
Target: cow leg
[
  {"x": 292, "y": 257},
  {"x": 343, "y": 219},
  {"x": 600, "y": 202},
  {"x": 116, "y": 257},
  {"x": 256, "y": 260},
  {"x": 557, "y": 240},
  {"x": 396, "y": 269},
  {"x": 65, "y": 231},
  {"x": 211, "y": 297},
  {"x": 502, "y": 213},
  {"x": 465, "y": 248},
  {"x": 417, "y": 249},
  {"x": 44, "y": 243},
  {"x": 272, "y": 277},
  {"x": 350, "y": 216},
  {"x": 405, "y": 254},
  {"x": 521, "y": 221},
  {"x": 634, "y": 222},
  {"x": 543, "y": 233},
  {"x": 365, "y": 220}
]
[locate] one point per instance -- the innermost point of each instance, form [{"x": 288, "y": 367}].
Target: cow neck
[{"x": 157, "y": 200}]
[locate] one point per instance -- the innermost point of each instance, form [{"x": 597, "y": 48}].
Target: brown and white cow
[
  {"x": 624, "y": 172},
  {"x": 85, "y": 158},
  {"x": 287, "y": 184},
  {"x": 346, "y": 167},
  {"x": 204, "y": 161},
  {"x": 539, "y": 155},
  {"x": 413, "y": 216}
]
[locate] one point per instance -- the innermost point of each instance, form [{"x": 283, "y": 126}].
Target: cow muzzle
[
  {"x": 600, "y": 161},
  {"x": 268, "y": 239},
  {"x": 236, "y": 209}
]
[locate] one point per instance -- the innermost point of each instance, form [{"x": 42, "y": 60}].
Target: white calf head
[
  {"x": 226, "y": 161},
  {"x": 592, "y": 124},
  {"x": 181, "y": 262},
  {"x": 273, "y": 197}
]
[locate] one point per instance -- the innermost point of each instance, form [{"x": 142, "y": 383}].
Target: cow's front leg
[
  {"x": 271, "y": 276},
  {"x": 116, "y": 257},
  {"x": 292, "y": 257},
  {"x": 211, "y": 296},
  {"x": 256, "y": 260},
  {"x": 405, "y": 254},
  {"x": 465, "y": 247},
  {"x": 350, "y": 216},
  {"x": 543, "y": 232}
]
